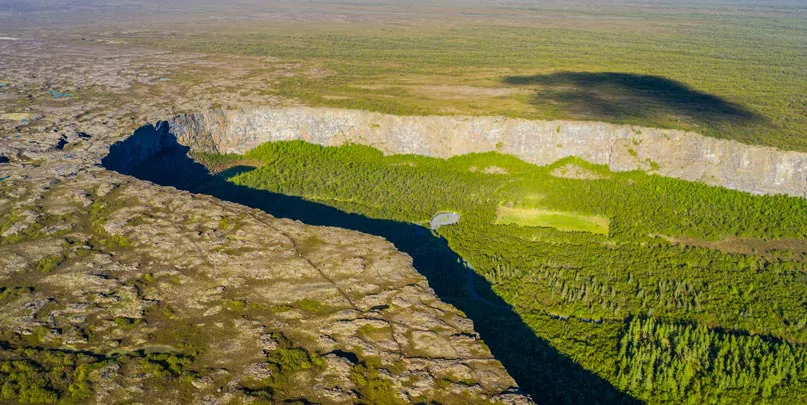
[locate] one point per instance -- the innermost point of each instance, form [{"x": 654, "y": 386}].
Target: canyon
[{"x": 672, "y": 153}]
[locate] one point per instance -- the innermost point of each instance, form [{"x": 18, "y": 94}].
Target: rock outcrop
[
  {"x": 201, "y": 301},
  {"x": 134, "y": 292},
  {"x": 672, "y": 153},
  {"x": 113, "y": 289}
]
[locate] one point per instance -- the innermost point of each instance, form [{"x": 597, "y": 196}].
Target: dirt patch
[
  {"x": 494, "y": 170},
  {"x": 465, "y": 92},
  {"x": 372, "y": 86},
  {"x": 230, "y": 165},
  {"x": 489, "y": 170},
  {"x": 746, "y": 246},
  {"x": 573, "y": 171},
  {"x": 448, "y": 92},
  {"x": 15, "y": 116},
  {"x": 336, "y": 97}
]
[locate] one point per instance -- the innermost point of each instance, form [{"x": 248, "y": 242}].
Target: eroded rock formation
[{"x": 672, "y": 153}]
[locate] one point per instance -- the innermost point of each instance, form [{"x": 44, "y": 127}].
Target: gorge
[{"x": 671, "y": 153}]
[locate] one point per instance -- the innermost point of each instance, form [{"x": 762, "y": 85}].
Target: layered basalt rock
[{"x": 672, "y": 153}]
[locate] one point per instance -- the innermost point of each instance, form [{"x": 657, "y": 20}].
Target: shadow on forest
[
  {"x": 624, "y": 96},
  {"x": 540, "y": 370}
]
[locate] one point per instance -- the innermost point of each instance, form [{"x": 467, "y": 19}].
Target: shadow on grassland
[
  {"x": 550, "y": 377},
  {"x": 625, "y": 97}
]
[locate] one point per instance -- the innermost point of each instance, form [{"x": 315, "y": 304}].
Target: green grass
[
  {"x": 313, "y": 306},
  {"x": 562, "y": 221},
  {"x": 288, "y": 365},
  {"x": 34, "y": 375},
  {"x": 99, "y": 214},
  {"x": 50, "y": 263},
  {"x": 11, "y": 293},
  {"x": 372, "y": 387}
]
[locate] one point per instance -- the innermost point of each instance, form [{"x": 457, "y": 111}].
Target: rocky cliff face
[{"x": 672, "y": 153}]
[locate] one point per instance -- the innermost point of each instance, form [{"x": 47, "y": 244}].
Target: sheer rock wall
[{"x": 672, "y": 153}]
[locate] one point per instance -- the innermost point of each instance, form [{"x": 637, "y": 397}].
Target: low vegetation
[
  {"x": 288, "y": 367},
  {"x": 35, "y": 375},
  {"x": 725, "y": 71},
  {"x": 562, "y": 221}
]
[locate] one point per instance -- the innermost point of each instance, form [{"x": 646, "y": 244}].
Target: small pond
[{"x": 443, "y": 219}]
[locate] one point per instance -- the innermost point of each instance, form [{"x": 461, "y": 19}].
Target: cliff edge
[{"x": 672, "y": 153}]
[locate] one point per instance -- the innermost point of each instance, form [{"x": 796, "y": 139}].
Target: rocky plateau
[{"x": 116, "y": 290}]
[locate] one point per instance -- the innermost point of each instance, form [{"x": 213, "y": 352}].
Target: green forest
[{"x": 694, "y": 294}]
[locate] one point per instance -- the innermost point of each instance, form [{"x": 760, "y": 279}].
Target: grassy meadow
[
  {"x": 562, "y": 221},
  {"x": 733, "y": 70}
]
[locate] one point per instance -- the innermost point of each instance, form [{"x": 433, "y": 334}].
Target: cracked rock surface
[
  {"x": 672, "y": 153},
  {"x": 115, "y": 290},
  {"x": 104, "y": 264}
]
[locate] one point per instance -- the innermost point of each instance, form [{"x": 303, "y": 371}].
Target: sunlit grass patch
[{"x": 560, "y": 220}]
